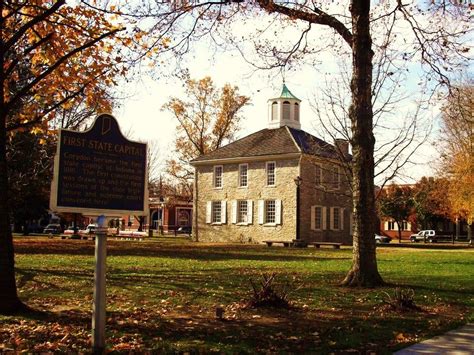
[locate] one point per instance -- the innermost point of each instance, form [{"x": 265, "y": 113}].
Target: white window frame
[
  {"x": 246, "y": 175},
  {"x": 215, "y": 176},
  {"x": 242, "y": 216},
  {"x": 262, "y": 212},
  {"x": 268, "y": 211},
  {"x": 210, "y": 212},
  {"x": 216, "y": 205},
  {"x": 267, "y": 173}
]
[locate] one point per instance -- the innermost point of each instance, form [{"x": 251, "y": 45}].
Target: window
[
  {"x": 218, "y": 169},
  {"x": 286, "y": 110},
  {"x": 391, "y": 226},
  {"x": 405, "y": 226},
  {"x": 270, "y": 167},
  {"x": 270, "y": 211},
  {"x": 274, "y": 111},
  {"x": 243, "y": 175},
  {"x": 297, "y": 111},
  {"x": 318, "y": 218},
  {"x": 216, "y": 212},
  {"x": 318, "y": 175},
  {"x": 242, "y": 211},
  {"x": 336, "y": 219},
  {"x": 336, "y": 177}
]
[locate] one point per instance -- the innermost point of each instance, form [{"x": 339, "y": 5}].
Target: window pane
[
  {"x": 216, "y": 211},
  {"x": 318, "y": 218},
  {"x": 218, "y": 176},
  {"x": 270, "y": 211},
  {"x": 242, "y": 208},
  {"x": 297, "y": 111},
  {"x": 271, "y": 173},
  {"x": 336, "y": 218},
  {"x": 243, "y": 180}
]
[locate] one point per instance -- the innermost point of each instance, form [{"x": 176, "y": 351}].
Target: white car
[{"x": 429, "y": 235}]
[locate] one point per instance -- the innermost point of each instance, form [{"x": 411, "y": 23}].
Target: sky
[{"x": 141, "y": 116}]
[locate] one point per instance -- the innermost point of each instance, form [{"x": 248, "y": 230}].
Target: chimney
[{"x": 342, "y": 146}]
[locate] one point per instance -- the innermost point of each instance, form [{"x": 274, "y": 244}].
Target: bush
[
  {"x": 267, "y": 294},
  {"x": 402, "y": 300}
]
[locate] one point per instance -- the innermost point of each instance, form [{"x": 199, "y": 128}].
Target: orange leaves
[
  {"x": 59, "y": 53},
  {"x": 208, "y": 119}
]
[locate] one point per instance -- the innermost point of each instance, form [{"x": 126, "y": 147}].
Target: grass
[{"x": 162, "y": 297}]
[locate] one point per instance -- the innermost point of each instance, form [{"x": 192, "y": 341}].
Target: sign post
[
  {"x": 98, "y": 317},
  {"x": 100, "y": 173}
]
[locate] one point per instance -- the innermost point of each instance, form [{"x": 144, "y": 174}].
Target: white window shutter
[
  {"x": 341, "y": 219},
  {"x": 223, "y": 212},
  {"x": 331, "y": 218},
  {"x": 325, "y": 218},
  {"x": 249, "y": 212},
  {"x": 234, "y": 212},
  {"x": 261, "y": 211},
  {"x": 208, "y": 211},
  {"x": 278, "y": 212},
  {"x": 313, "y": 218},
  {"x": 385, "y": 225}
]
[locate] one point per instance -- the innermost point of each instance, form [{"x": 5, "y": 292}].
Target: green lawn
[{"x": 162, "y": 296}]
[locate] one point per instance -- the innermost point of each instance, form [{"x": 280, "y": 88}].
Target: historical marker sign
[{"x": 100, "y": 172}]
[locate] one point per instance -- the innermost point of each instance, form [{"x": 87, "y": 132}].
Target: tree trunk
[
  {"x": 399, "y": 232},
  {"x": 9, "y": 301},
  {"x": 364, "y": 263}
]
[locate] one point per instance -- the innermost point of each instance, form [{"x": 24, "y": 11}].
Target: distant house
[
  {"x": 247, "y": 190},
  {"x": 170, "y": 213}
]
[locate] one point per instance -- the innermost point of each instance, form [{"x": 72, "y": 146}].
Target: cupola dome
[{"x": 284, "y": 110}]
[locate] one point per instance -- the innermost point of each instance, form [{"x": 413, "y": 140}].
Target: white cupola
[{"x": 284, "y": 110}]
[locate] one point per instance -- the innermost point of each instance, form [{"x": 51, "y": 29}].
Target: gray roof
[{"x": 283, "y": 140}]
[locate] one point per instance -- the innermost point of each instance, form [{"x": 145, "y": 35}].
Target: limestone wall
[{"x": 284, "y": 190}]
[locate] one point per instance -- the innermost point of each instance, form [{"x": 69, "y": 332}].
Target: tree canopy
[
  {"x": 208, "y": 118},
  {"x": 51, "y": 53}
]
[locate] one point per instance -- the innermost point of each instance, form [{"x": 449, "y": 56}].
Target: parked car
[
  {"x": 90, "y": 229},
  {"x": 429, "y": 235},
  {"x": 52, "y": 229},
  {"x": 382, "y": 239}
]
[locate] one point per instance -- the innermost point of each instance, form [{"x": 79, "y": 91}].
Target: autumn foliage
[
  {"x": 457, "y": 154},
  {"x": 53, "y": 55},
  {"x": 207, "y": 119}
]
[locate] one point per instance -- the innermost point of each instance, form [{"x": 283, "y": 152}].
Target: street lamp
[{"x": 298, "y": 181}]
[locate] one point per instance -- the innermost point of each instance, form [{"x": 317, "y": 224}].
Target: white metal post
[{"x": 98, "y": 318}]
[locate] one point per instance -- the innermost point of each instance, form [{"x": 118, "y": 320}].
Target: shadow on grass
[
  {"x": 252, "y": 331},
  {"x": 175, "y": 251}
]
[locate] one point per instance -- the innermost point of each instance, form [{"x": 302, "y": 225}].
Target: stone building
[{"x": 259, "y": 187}]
